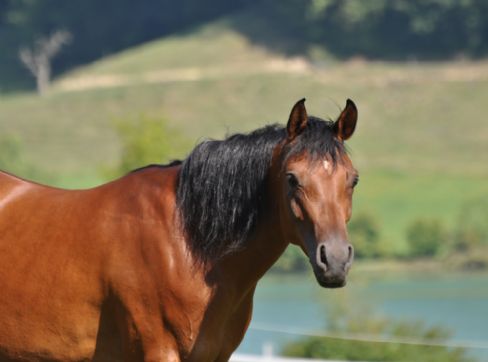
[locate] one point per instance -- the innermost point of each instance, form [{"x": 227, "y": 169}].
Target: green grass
[{"x": 421, "y": 144}]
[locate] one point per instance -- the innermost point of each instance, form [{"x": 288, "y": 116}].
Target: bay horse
[{"x": 162, "y": 264}]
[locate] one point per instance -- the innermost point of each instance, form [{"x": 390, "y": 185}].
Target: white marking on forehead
[{"x": 327, "y": 166}]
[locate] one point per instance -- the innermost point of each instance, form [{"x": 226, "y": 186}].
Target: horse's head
[{"x": 317, "y": 180}]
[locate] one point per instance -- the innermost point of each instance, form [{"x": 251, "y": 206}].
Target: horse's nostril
[
  {"x": 350, "y": 257},
  {"x": 323, "y": 255},
  {"x": 350, "y": 252}
]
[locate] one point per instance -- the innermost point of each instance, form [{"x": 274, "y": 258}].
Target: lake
[{"x": 285, "y": 307}]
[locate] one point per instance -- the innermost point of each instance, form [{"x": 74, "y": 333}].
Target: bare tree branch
[
  {"x": 28, "y": 59},
  {"x": 38, "y": 58},
  {"x": 53, "y": 44}
]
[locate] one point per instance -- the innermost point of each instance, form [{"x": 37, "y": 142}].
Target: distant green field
[
  {"x": 398, "y": 198},
  {"x": 421, "y": 144}
]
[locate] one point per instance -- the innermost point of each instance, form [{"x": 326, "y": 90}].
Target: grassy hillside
[{"x": 421, "y": 144}]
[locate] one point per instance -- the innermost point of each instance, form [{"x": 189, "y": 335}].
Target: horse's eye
[
  {"x": 355, "y": 181},
  {"x": 292, "y": 180}
]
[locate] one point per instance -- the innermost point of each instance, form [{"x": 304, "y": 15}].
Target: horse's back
[
  {"x": 9, "y": 186},
  {"x": 44, "y": 269},
  {"x": 56, "y": 247}
]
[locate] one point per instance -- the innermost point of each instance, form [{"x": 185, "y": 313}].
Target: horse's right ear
[
  {"x": 297, "y": 121},
  {"x": 346, "y": 123}
]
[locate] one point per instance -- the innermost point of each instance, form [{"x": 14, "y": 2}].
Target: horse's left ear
[
  {"x": 297, "y": 121},
  {"x": 346, "y": 123}
]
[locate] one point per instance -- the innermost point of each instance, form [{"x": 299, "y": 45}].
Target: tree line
[
  {"x": 392, "y": 29},
  {"x": 380, "y": 29}
]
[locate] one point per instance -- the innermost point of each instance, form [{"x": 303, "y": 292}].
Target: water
[{"x": 458, "y": 302}]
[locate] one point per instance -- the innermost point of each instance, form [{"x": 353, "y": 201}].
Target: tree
[{"x": 38, "y": 58}]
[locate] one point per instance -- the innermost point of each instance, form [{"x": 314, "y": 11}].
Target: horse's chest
[{"x": 221, "y": 330}]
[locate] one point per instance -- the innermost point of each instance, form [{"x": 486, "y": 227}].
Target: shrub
[
  {"x": 364, "y": 234},
  {"x": 145, "y": 140},
  {"x": 293, "y": 260},
  {"x": 472, "y": 227},
  {"x": 425, "y": 237},
  {"x": 350, "y": 325},
  {"x": 350, "y": 350}
]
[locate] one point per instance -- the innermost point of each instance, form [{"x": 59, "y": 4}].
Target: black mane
[{"x": 221, "y": 184}]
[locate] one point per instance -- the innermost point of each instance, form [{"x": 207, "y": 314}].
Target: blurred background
[{"x": 92, "y": 89}]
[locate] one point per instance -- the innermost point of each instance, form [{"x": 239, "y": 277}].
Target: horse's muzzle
[{"x": 332, "y": 262}]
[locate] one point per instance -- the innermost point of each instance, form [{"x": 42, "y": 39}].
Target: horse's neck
[
  {"x": 244, "y": 268},
  {"x": 267, "y": 244}
]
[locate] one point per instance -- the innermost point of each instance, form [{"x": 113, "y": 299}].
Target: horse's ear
[
  {"x": 297, "y": 121},
  {"x": 346, "y": 123}
]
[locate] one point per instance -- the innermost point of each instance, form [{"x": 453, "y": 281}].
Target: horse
[{"x": 162, "y": 264}]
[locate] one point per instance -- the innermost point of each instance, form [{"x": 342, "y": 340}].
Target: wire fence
[
  {"x": 468, "y": 344},
  {"x": 264, "y": 358},
  {"x": 268, "y": 355}
]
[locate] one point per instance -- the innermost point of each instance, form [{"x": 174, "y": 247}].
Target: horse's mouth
[
  {"x": 332, "y": 283},
  {"x": 329, "y": 279}
]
